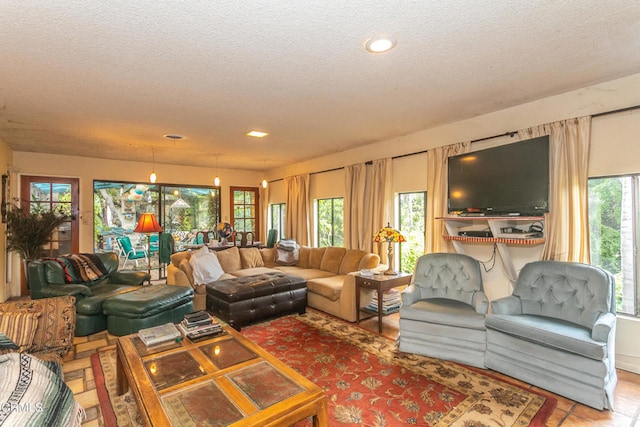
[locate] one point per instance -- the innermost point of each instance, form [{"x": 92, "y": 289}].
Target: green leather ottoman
[{"x": 147, "y": 306}]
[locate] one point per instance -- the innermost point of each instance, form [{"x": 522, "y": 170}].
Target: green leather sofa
[{"x": 47, "y": 279}]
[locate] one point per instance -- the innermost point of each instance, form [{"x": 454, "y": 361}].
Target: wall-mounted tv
[{"x": 511, "y": 179}]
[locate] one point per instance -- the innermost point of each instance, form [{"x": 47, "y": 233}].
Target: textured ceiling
[{"x": 109, "y": 78}]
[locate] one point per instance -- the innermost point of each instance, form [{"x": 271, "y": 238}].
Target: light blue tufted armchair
[
  {"x": 557, "y": 331},
  {"x": 443, "y": 310}
]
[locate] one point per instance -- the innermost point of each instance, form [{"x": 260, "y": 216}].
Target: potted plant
[{"x": 28, "y": 232}]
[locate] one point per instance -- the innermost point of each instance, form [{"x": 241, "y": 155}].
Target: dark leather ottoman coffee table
[{"x": 244, "y": 300}]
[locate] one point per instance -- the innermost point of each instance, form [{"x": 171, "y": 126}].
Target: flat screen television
[{"x": 511, "y": 179}]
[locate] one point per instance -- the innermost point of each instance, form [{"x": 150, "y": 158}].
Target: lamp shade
[
  {"x": 389, "y": 235},
  {"x": 147, "y": 224}
]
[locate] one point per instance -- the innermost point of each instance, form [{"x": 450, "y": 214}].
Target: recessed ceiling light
[
  {"x": 380, "y": 44},
  {"x": 257, "y": 134},
  {"x": 173, "y": 136}
]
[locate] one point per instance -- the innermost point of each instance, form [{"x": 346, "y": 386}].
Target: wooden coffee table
[{"x": 226, "y": 381}]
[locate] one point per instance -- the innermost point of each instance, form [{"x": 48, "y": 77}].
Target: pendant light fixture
[
  {"x": 216, "y": 180},
  {"x": 264, "y": 180},
  {"x": 153, "y": 177}
]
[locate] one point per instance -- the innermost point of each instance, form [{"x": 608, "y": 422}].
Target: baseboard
[{"x": 628, "y": 363}]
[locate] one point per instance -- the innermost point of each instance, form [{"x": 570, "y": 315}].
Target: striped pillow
[
  {"x": 6, "y": 343},
  {"x": 20, "y": 327}
]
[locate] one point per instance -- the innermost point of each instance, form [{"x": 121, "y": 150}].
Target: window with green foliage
[
  {"x": 330, "y": 222},
  {"x": 180, "y": 210},
  {"x": 614, "y": 233},
  {"x": 277, "y": 212},
  {"x": 412, "y": 221}
]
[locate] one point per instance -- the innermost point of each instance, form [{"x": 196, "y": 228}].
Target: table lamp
[
  {"x": 148, "y": 224},
  {"x": 390, "y": 236}
]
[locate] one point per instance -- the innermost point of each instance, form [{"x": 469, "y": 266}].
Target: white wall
[{"x": 614, "y": 150}]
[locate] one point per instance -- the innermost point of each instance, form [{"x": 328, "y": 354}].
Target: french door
[
  {"x": 45, "y": 194},
  {"x": 245, "y": 204}
]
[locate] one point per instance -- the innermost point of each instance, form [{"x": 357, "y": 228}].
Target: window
[
  {"x": 614, "y": 234},
  {"x": 330, "y": 222},
  {"x": 412, "y": 219},
  {"x": 181, "y": 211},
  {"x": 244, "y": 209},
  {"x": 277, "y": 215}
]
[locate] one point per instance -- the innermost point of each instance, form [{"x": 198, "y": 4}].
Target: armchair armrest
[
  {"x": 63, "y": 290},
  {"x": 506, "y": 305},
  {"x": 410, "y": 294},
  {"x": 128, "y": 277},
  {"x": 603, "y": 326},
  {"x": 480, "y": 302}
]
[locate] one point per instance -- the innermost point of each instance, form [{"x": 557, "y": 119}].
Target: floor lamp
[{"x": 148, "y": 224}]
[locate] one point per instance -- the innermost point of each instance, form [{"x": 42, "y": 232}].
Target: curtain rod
[{"x": 510, "y": 134}]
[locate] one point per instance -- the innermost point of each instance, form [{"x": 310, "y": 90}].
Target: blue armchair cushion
[
  {"x": 446, "y": 312},
  {"x": 550, "y": 332},
  {"x": 564, "y": 290}
]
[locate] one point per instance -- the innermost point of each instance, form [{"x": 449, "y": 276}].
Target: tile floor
[{"x": 79, "y": 376}]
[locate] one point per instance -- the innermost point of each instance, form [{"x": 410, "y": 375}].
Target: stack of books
[
  {"x": 198, "y": 325},
  {"x": 390, "y": 301}
]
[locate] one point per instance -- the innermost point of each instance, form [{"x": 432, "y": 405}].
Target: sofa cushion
[
  {"x": 20, "y": 327},
  {"x": 351, "y": 261},
  {"x": 179, "y": 256},
  {"x": 369, "y": 261},
  {"x": 250, "y": 258},
  {"x": 549, "y": 332},
  {"x": 445, "y": 312},
  {"x": 93, "y": 304},
  {"x": 332, "y": 259},
  {"x": 268, "y": 257},
  {"x": 329, "y": 287},
  {"x": 205, "y": 266},
  {"x": 305, "y": 273},
  {"x": 185, "y": 266},
  {"x": 315, "y": 257},
  {"x": 229, "y": 259},
  {"x": 303, "y": 260}
]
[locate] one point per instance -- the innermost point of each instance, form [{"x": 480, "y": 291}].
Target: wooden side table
[{"x": 379, "y": 283}]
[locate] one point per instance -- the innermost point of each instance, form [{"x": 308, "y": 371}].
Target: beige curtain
[
  {"x": 355, "y": 181},
  {"x": 437, "y": 161},
  {"x": 297, "y": 199},
  {"x": 567, "y": 223},
  {"x": 377, "y": 202}
]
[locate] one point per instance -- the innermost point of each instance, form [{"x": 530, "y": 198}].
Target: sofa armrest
[
  {"x": 77, "y": 291},
  {"x": 128, "y": 277},
  {"x": 480, "y": 302},
  {"x": 506, "y": 305},
  {"x": 603, "y": 326},
  {"x": 410, "y": 295}
]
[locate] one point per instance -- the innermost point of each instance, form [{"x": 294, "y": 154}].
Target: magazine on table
[{"x": 158, "y": 334}]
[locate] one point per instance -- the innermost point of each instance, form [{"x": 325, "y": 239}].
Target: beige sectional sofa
[{"x": 329, "y": 273}]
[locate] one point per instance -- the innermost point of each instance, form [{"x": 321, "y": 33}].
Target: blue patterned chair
[{"x": 557, "y": 331}]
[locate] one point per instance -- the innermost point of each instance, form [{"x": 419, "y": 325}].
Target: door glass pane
[
  {"x": 40, "y": 191},
  {"x": 412, "y": 219}
]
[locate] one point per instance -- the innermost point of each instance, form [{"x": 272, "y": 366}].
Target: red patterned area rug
[{"x": 368, "y": 382}]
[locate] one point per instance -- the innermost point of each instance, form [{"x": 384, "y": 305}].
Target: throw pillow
[
  {"x": 20, "y": 327},
  {"x": 229, "y": 259},
  {"x": 205, "y": 266},
  {"x": 188, "y": 271},
  {"x": 6, "y": 343},
  {"x": 251, "y": 258}
]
